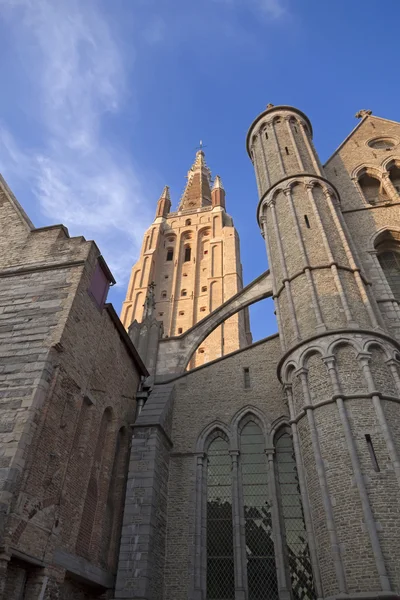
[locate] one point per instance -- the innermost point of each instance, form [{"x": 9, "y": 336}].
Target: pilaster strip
[
  {"x": 326, "y": 499},
  {"x": 304, "y": 496},
  {"x": 359, "y": 479},
  {"x": 285, "y": 273},
  {"x": 239, "y": 575},
  {"x": 376, "y": 401},
  {"x": 317, "y": 308},
  {"x": 276, "y": 303},
  {"x": 328, "y": 250},
  {"x": 351, "y": 260},
  {"x": 278, "y": 151},
  {"x": 310, "y": 149},
  {"x": 276, "y": 528},
  {"x": 294, "y": 144},
  {"x": 262, "y": 137}
]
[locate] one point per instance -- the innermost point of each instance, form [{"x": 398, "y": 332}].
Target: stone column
[
  {"x": 283, "y": 590},
  {"x": 240, "y": 591}
]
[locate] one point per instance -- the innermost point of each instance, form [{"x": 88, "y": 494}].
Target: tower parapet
[{"x": 279, "y": 143}]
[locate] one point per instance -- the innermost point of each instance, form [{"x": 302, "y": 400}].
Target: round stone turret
[
  {"x": 279, "y": 143},
  {"x": 339, "y": 366}
]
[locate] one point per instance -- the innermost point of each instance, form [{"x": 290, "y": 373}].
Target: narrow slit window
[
  {"x": 188, "y": 254},
  {"x": 184, "y": 293},
  {"x": 307, "y": 221},
  {"x": 372, "y": 452},
  {"x": 286, "y": 150},
  {"x": 170, "y": 254},
  {"x": 246, "y": 375},
  {"x": 266, "y": 135},
  {"x": 295, "y": 128},
  {"x": 180, "y": 330}
]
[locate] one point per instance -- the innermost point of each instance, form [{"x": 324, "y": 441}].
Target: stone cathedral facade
[{"x": 167, "y": 457}]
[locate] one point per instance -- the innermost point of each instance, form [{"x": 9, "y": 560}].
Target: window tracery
[{"x": 239, "y": 552}]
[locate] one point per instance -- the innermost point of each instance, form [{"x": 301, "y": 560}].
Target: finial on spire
[
  {"x": 197, "y": 192},
  {"x": 165, "y": 193},
  {"x": 164, "y": 203},
  {"x": 218, "y": 185},
  {"x": 363, "y": 113}
]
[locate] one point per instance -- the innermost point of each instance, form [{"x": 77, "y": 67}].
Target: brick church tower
[{"x": 193, "y": 257}]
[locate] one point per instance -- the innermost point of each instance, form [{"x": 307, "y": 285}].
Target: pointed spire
[
  {"x": 164, "y": 203},
  {"x": 218, "y": 193},
  {"x": 165, "y": 193},
  {"x": 218, "y": 185},
  {"x": 198, "y": 188}
]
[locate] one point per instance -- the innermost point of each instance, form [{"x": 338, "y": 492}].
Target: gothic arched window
[
  {"x": 390, "y": 263},
  {"x": 295, "y": 535},
  {"x": 188, "y": 253},
  {"x": 372, "y": 189},
  {"x": 260, "y": 553},
  {"x": 220, "y": 562},
  {"x": 394, "y": 176},
  {"x": 251, "y": 540}
]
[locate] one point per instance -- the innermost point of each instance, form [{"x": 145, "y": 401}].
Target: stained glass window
[
  {"x": 220, "y": 561},
  {"x": 261, "y": 569},
  {"x": 298, "y": 555},
  {"x": 390, "y": 263}
]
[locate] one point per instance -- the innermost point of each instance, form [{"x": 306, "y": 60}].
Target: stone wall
[
  {"x": 215, "y": 393},
  {"x": 68, "y": 379}
]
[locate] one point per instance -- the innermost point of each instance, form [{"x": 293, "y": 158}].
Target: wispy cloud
[
  {"x": 271, "y": 9},
  {"x": 76, "y": 74}
]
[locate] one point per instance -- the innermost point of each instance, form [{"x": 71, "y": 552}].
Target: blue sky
[{"x": 103, "y": 102}]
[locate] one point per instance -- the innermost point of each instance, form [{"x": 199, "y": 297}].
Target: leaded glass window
[
  {"x": 298, "y": 556},
  {"x": 261, "y": 569},
  {"x": 220, "y": 560},
  {"x": 390, "y": 263}
]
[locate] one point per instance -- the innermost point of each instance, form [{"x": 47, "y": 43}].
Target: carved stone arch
[
  {"x": 314, "y": 183},
  {"x": 288, "y": 372},
  {"x": 349, "y": 373},
  {"x": 281, "y": 423},
  {"x": 368, "y": 344},
  {"x": 318, "y": 380},
  {"x": 389, "y": 162},
  {"x": 275, "y": 192},
  {"x": 294, "y": 183},
  {"x": 366, "y": 169},
  {"x": 210, "y": 433},
  {"x": 343, "y": 341},
  {"x": 307, "y": 353},
  {"x": 244, "y": 416},
  {"x": 205, "y": 228},
  {"x": 381, "y": 234}
]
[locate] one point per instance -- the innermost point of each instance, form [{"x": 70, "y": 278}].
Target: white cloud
[
  {"x": 76, "y": 76},
  {"x": 272, "y": 9}
]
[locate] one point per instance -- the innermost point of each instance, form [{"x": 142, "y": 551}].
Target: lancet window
[
  {"x": 251, "y": 535},
  {"x": 390, "y": 263}
]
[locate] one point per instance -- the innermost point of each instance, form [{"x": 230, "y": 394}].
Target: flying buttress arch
[{"x": 174, "y": 353}]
